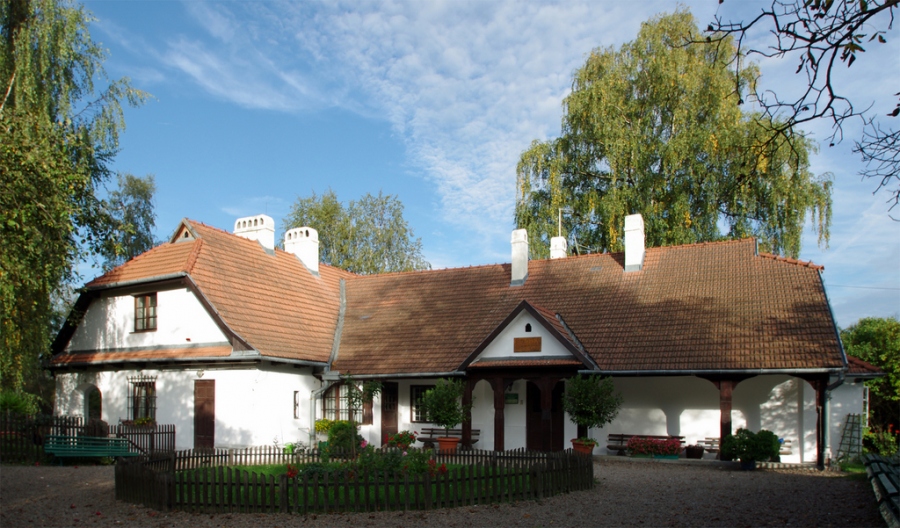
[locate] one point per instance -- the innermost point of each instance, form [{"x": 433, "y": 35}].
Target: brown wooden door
[
  {"x": 535, "y": 433},
  {"x": 204, "y": 414},
  {"x": 389, "y": 409}
]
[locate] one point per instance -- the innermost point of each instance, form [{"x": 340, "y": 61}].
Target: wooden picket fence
[
  {"x": 22, "y": 436},
  {"x": 487, "y": 477}
]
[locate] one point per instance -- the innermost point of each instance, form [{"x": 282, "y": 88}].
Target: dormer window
[{"x": 145, "y": 312}]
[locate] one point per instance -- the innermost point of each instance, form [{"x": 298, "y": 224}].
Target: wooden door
[
  {"x": 536, "y": 431},
  {"x": 204, "y": 414},
  {"x": 389, "y": 409}
]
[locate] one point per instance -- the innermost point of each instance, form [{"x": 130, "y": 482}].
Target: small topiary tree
[
  {"x": 591, "y": 401},
  {"x": 443, "y": 404},
  {"x": 748, "y": 446}
]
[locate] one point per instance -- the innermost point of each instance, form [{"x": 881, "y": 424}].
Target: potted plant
[
  {"x": 750, "y": 447},
  {"x": 584, "y": 444},
  {"x": 590, "y": 401},
  {"x": 693, "y": 451},
  {"x": 443, "y": 406}
]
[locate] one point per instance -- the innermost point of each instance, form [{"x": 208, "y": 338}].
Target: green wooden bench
[{"x": 87, "y": 446}]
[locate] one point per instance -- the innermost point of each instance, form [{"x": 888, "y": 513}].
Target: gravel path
[{"x": 641, "y": 493}]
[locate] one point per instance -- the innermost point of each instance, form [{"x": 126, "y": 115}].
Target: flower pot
[
  {"x": 583, "y": 447},
  {"x": 448, "y": 444},
  {"x": 748, "y": 465},
  {"x": 693, "y": 451},
  {"x": 666, "y": 457}
]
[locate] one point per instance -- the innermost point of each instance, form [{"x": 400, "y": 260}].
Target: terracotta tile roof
[
  {"x": 536, "y": 362},
  {"x": 860, "y": 368},
  {"x": 271, "y": 301},
  {"x": 78, "y": 358},
  {"x": 714, "y": 306}
]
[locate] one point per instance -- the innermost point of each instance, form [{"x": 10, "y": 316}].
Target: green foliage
[
  {"x": 749, "y": 446},
  {"x": 591, "y": 401},
  {"x": 367, "y": 236},
  {"x": 130, "y": 210},
  {"x": 343, "y": 437},
  {"x": 443, "y": 403},
  {"x": 323, "y": 425},
  {"x": 18, "y": 403},
  {"x": 60, "y": 117},
  {"x": 877, "y": 340},
  {"x": 881, "y": 441},
  {"x": 655, "y": 128}
]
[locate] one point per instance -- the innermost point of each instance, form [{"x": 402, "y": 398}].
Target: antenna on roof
[{"x": 567, "y": 210}]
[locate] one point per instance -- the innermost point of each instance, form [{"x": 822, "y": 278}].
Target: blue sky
[{"x": 257, "y": 103}]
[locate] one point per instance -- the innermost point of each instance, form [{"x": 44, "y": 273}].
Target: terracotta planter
[
  {"x": 582, "y": 447},
  {"x": 448, "y": 444},
  {"x": 693, "y": 451}
]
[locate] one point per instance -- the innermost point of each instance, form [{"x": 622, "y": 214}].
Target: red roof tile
[
  {"x": 858, "y": 367},
  {"x": 701, "y": 307},
  {"x": 714, "y": 306},
  {"x": 271, "y": 301},
  {"x": 79, "y": 358}
]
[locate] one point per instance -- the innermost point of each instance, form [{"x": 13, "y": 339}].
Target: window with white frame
[
  {"x": 417, "y": 412},
  {"x": 336, "y": 406},
  {"x": 145, "y": 312}
]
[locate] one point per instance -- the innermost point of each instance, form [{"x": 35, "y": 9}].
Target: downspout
[{"x": 330, "y": 377}]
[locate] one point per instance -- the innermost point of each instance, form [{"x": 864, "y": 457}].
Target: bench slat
[{"x": 87, "y": 446}]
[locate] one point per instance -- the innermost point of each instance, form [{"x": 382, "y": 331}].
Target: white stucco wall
[
  {"x": 845, "y": 399},
  {"x": 502, "y": 345},
  {"x": 181, "y": 320},
  {"x": 253, "y": 406},
  {"x": 689, "y": 406}
]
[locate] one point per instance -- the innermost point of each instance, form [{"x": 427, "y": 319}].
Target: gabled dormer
[{"x": 529, "y": 336}]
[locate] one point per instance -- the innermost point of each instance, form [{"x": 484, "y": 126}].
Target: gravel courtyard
[{"x": 641, "y": 493}]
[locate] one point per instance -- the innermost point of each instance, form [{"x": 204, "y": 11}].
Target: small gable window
[
  {"x": 145, "y": 312},
  {"x": 528, "y": 327}
]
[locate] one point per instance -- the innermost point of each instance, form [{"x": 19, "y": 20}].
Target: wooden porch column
[
  {"x": 725, "y": 389},
  {"x": 546, "y": 386},
  {"x": 820, "y": 386},
  {"x": 467, "y": 423},
  {"x": 499, "y": 404}
]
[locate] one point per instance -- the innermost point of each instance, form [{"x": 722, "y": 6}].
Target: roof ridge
[
  {"x": 192, "y": 258},
  {"x": 789, "y": 260}
]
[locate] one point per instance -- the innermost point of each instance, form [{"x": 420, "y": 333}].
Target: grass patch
[{"x": 854, "y": 471}]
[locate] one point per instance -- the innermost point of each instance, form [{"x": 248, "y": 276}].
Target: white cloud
[{"x": 468, "y": 85}]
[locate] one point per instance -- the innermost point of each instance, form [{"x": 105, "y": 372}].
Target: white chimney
[
  {"x": 260, "y": 228},
  {"x": 634, "y": 242},
  {"x": 519, "y": 257},
  {"x": 303, "y": 242},
  {"x": 558, "y": 247}
]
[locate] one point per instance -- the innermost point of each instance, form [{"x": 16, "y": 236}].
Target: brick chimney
[
  {"x": 303, "y": 242},
  {"x": 558, "y": 246},
  {"x": 634, "y": 242},
  {"x": 519, "y": 257},
  {"x": 260, "y": 228}
]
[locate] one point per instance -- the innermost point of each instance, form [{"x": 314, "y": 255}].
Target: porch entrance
[
  {"x": 204, "y": 414},
  {"x": 389, "y": 401},
  {"x": 535, "y": 423}
]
